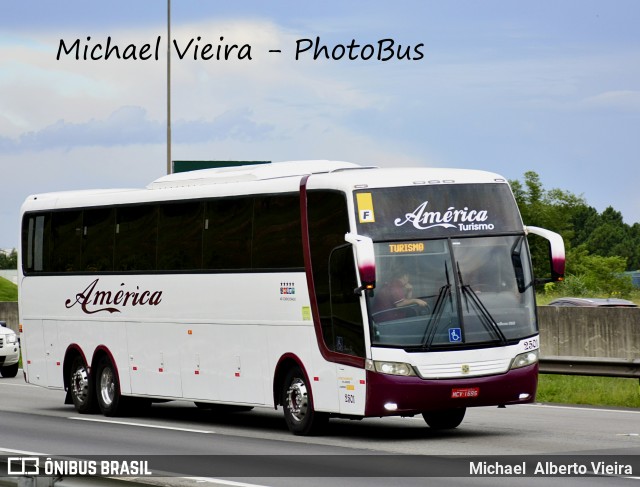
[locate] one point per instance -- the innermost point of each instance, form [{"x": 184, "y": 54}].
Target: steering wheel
[{"x": 417, "y": 309}]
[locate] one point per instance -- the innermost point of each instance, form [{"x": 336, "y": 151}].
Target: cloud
[
  {"x": 232, "y": 124},
  {"x": 68, "y": 103},
  {"x": 130, "y": 125},
  {"x": 624, "y": 100},
  {"x": 127, "y": 125}
]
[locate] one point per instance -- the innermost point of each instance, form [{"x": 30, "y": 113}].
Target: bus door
[{"x": 347, "y": 329}]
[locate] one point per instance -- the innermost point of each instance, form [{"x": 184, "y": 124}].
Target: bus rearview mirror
[
  {"x": 365, "y": 260},
  {"x": 556, "y": 250}
]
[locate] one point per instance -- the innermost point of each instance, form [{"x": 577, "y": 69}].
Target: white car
[{"x": 9, "y": 352}]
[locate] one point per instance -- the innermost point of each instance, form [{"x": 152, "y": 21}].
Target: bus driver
[{"x": 394, "y": 294}]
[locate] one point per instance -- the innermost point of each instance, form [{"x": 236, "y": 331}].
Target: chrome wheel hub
[
  {"x": 107, "y": 386},
  {"x": 297, "y": 400},
  {"x": 80, "y": 384}
]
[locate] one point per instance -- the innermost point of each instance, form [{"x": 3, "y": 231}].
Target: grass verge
[
  {"x": 596, "y": 391},
  {"x": 8, "y": 290}
]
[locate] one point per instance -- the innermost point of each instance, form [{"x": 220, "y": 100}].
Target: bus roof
[
  {"x": 401, "y": 176},
  {"x": 273, "y": 177},
  {"x": 255, "y": 172},
  {"x": 332, "y": 170}
]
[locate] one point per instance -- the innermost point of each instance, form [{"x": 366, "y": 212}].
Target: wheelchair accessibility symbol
[{"x": 455, "y": 335}]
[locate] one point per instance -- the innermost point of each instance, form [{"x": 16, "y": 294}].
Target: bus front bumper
[{"x": 390, "y": 395}]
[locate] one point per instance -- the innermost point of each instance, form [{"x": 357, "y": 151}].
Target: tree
[
  {"x": 585, "y": 220},
  {"x": 634, "y": 260},
  {"x": 547, "y": 209},
  {"x": 579, "y": 224},
  {"x": 589, "y": 275},
  {"x": 9, "y": 261}
]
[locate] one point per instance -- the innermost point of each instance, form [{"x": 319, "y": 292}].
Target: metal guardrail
[{"x": 605, "y": 367}]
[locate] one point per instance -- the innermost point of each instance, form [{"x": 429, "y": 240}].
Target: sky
[{"x": 548, "y": 86}]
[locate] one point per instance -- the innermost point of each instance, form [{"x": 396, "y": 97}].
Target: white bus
[{"x": 329, "y": 289}]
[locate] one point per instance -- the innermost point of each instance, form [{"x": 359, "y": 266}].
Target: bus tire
[
  {"x": 107, "y": 387},
  {"x": 444, "y": 420},
  {"x": 81, "y": 387},
  {"x": 297, "y": 403}
]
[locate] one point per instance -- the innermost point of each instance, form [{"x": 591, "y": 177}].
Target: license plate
[{"x": 464, "y": 393}]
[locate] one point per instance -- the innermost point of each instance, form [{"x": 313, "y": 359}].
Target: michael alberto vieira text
[
  {"x": 549, "y": 468},
  {"x": 201, "y": 50}
]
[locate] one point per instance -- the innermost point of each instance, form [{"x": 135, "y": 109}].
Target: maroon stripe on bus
[{"x": 328, "y": 355}]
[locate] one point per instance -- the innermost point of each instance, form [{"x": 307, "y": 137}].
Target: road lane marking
[
  {"x": 223, "y": 482},
  {"x": 23, "y": 452},
  {"x": 594, "y": 409},
  {"x": 142, "y": 425}
]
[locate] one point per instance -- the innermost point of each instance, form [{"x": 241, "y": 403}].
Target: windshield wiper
[
  {"x": 430, "y": 330},
  {"x": 485, "y": 317}
]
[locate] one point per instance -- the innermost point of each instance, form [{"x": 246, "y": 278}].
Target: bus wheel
[
  {"x": 82, "y": 387},
  {"x": 297, "y": 403},
  {"x": 108, "y": 388},
  {"x": 444, "y": 420}
]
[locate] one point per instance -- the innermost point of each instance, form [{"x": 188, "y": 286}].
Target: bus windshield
[{"x": 452, "y": 292}]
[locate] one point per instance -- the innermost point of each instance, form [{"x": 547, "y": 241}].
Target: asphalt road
[{"x": 255, "y": 448}]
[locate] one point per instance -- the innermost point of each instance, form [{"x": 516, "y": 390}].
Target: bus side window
[
  {"x": 227, "y": 233},
  {"x": 277, "y": 238},
  {"x": 97, "y": 240},
  {"x": 36, "y": 230},
  {"x": 66, "y": 237},
  {"x": 180, "y": 236},
  {"x": 136, "y": 238},
  {"x": 346, "y": 315}
]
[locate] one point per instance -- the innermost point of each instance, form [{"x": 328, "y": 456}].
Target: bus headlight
[
  {"x": 390, "y": 368},
  {"x": 524, "y": 359}
]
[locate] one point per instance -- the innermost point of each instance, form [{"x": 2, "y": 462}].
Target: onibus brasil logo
[
  {"x": 464, "y": 219},
  {"x": 94, "y": 300}
]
